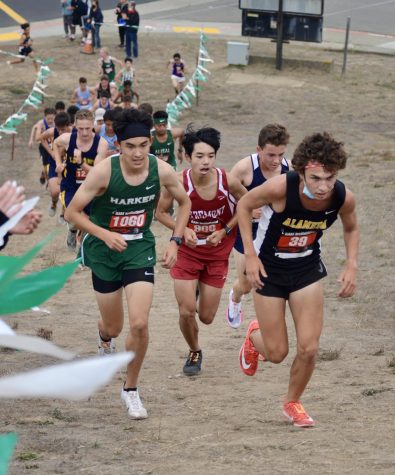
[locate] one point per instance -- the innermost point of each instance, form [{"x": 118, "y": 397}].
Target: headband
[
  {"x": 132, "y": 130},
  {"x": 160, "y": 121},
  {"x": 314, "y": 164}
]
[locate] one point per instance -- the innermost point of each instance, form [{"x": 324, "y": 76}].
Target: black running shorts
[
  {"x": 129, "y": 276},
  {"x": 280, "y": 284}
]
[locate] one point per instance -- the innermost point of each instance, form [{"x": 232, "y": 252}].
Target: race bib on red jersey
[{"x": 202, "y": 230}]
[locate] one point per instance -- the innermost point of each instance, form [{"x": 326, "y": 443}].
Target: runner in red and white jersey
[{"x": 208, "y": 238}]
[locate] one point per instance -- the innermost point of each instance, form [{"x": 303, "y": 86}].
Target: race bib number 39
[
  {"x": 296, "y": 243},
  {"x": 128, "y": 222}
]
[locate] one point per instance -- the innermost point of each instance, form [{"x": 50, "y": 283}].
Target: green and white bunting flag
[{"x": 185, "y": 98}]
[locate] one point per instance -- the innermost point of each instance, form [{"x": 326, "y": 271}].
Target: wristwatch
[
  {"x": 228, "y": 230},
  {"x": 177, "y": 240}
]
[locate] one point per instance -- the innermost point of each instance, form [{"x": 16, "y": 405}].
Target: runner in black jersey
[
  {"x": 283, "y": 263},
  {"x": 268, "y": 161}
]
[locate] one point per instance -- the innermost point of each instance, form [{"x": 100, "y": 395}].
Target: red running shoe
[
  {"x": 295, "y": 413},
  {"x": 248, "y": 354}
]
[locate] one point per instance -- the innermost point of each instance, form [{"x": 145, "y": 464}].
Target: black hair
[
  {"x": 160, "y": 115},
  {"x": 72, "y": 110},
  {"x": 60, "y": 105},
  {"x": 49, "y": 110},
  {"x": 128, "y": 82},
  {"x": 104, "y": 93},
  {"x": 128, "y": 58},
  {"x": 130, "y": 116},
  {"x": 207, "y": 135},
  {"x": 117, "y": 109},
  {"x": 108, "y": 115},
  {"x": 25, "y": 25},
  {"x": 62, "y": 119},
  {"x": 176, "y": 55},
  {"x": 82, "y": 79}
]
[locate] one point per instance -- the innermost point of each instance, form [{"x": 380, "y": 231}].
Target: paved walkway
[{"x": 333, "y": 38}]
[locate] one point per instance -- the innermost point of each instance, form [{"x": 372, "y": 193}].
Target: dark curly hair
[
  {"x": 274, "y": 134},
  {"x": 207, "y": 135},
  {"x": 321, "y": 148}
]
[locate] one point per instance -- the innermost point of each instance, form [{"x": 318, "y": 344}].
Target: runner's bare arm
[
  {"x": 44, "y": 137},
  {"x": 170, "y": 180},
  {"x": 162, "y": 209},
  {"x": 237, "y": 190},
  {"x": 73, "y": 99},
  {"x": 33, "y": 134},
  {"x": 243, "y": 170},
  {"x": 95, "y": 184},
  {"x": 60, "y": 146},
  {"x": 178, "y": 134},
  {"x": 272, "y": 191},
  {"x": 102, "y": 151},
  {"x": 351, "y": 240}
]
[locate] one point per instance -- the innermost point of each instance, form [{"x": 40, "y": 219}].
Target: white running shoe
[
  {"x": 136, "y": 410},
  {"x": 234, "y": 313},
  {"x": 52, "y": 211},
  {"x": 71, "y": 240},
  {"x": 61, "y": 220},
  {"x": 105, "y": 347}
]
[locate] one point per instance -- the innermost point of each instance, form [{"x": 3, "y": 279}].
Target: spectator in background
[
  {"x": 80, "y": 9},
  {"x": 120, "y": 8},
  {"x": 95, "y": 21},
  {"x": 132, "y": 19},
  {"x": 67, "y": 13}
]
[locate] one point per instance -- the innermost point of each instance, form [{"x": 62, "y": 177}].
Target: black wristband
[
  {"x": 228, "y": 230},
  {"x": 177, "y": 240}
]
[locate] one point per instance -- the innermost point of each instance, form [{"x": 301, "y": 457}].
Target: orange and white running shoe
[
  {"x": 248, "y": 354},
  {"x": 295, "y": 413}
]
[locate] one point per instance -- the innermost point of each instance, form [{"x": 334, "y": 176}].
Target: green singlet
[
  {"x": 164, "y": 149},
  {"x": 127, "y": 210},
  {"x": 108, "y": 68}
]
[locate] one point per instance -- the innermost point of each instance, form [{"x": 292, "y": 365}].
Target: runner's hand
[
  {"x": 60, "y": 168},
  {"x": 170, "y": 255},
  {"x": 11, "y": 198},
  {"x": 216, "y": 237},
  {"x": 77, "y": 156},
  {"x": 190, "y": 238},
  {"x": 257, "y": 213},
  {"x": 348, "y": 281},
  {"x": 115, "y": 241},
  {"x": 28, "y": 223},
  {"x": 254, "y": 268}
]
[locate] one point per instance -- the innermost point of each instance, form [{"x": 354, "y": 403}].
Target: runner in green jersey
[
  {"x": 163, "y": 140},
  {"x": 120, "y": 247}
]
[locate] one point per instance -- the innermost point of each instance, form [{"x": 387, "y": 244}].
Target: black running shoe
[
  {"x": 42, "y": 178},
  {"x": 193, "y": 364}
]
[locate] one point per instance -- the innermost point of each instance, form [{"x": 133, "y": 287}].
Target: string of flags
[
  {"x": 34, "y": 99},
  {"x": 186, "y": 97}
]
